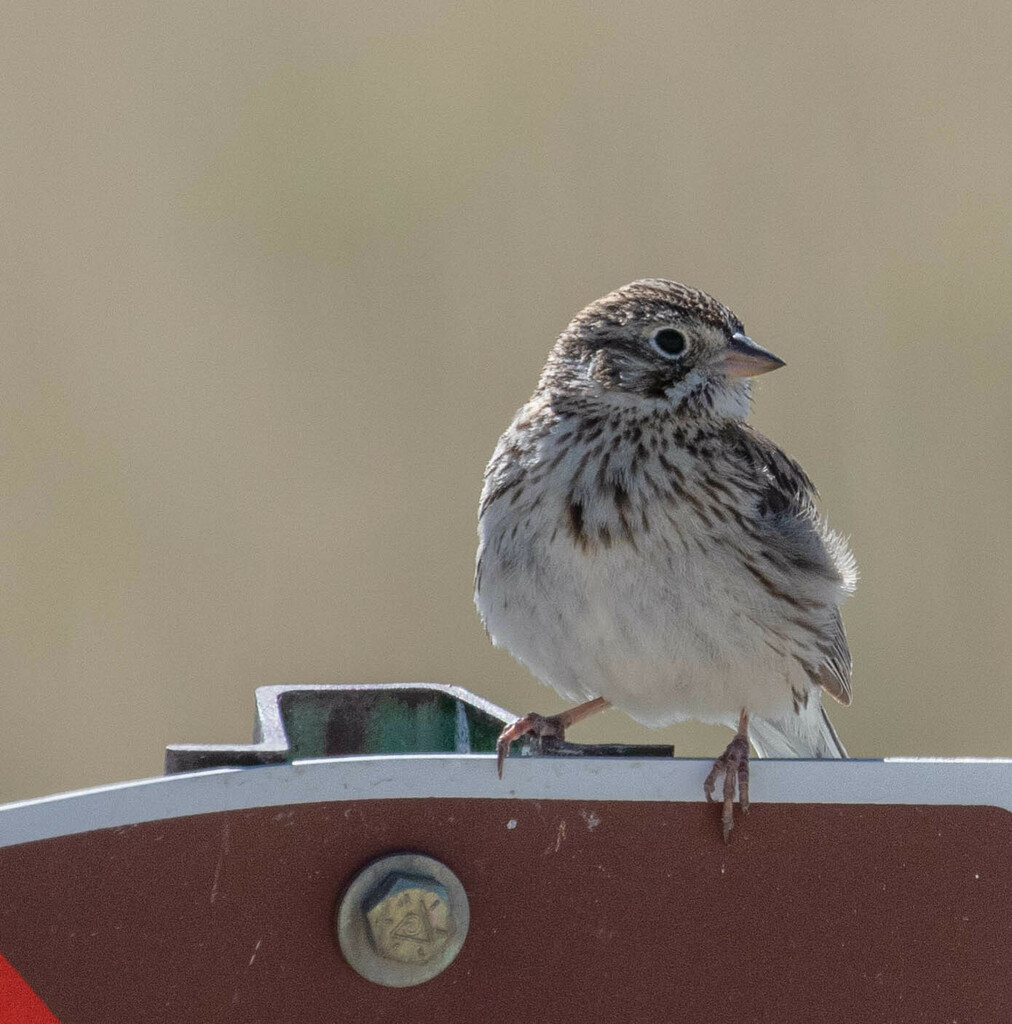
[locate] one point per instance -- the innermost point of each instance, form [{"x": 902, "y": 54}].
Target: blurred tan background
[{"x": 275, "y": 278}]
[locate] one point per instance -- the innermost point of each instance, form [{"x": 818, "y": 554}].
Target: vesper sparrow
[{"x": 642, "y": 547}]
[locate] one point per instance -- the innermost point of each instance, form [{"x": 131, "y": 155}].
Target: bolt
[
  {"x": 409, "y": 918},
  {"x": 402, "y": 919}
]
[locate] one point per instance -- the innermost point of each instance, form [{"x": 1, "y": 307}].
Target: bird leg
[
  {"x": 541, "y": 727},
  {"x": 733, "y": 763}
]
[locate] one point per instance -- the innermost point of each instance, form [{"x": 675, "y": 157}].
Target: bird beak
[{"x": 744, "y": 358}]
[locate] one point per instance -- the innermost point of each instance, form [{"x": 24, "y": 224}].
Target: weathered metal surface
[
  {"x": 597, "y": 889},
  {"x": 961, "y": 781},
  {"x": 294, "y": 722},
  {"x": 580, "y": 910}
]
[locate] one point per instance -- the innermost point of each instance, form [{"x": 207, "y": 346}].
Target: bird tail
[{"x": 810, "y": 734}]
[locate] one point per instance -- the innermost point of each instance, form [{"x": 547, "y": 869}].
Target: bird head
[{"x": 663, "y": 343}]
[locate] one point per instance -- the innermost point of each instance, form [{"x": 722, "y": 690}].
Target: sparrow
[{"x": 642, "y": 547}]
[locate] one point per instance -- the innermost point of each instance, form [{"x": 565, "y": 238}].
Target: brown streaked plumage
[{"x": 641, "y": 546}]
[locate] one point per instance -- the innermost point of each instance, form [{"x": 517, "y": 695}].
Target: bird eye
[{"x": 669, "y": 342}]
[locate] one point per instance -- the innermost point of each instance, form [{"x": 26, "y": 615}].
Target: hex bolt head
[
  {"x": 402, "y": 920},
  {"x": 409, "y": 918}
]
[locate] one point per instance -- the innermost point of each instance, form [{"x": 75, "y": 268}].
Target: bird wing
[
  {"x": 786, "y": 488},
  {"x": 786, "y": 500},
  {"x": 833, "y": 675}
]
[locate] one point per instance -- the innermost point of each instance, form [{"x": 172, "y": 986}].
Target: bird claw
[
  {"x": 733, "y": 765},
  {"x": 539, "y": 726}
]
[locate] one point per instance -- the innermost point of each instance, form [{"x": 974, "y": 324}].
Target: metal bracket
[{"x": 299, "y": 722}]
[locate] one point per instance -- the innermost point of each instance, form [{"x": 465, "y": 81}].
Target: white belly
[{"x": 663, "y": 634}]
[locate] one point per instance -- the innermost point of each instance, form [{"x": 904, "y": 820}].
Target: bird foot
[
  {"x": 544, "y": 728},
  {"x": 541, "y": 727},
  {"x": 733, "y": 765}
]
